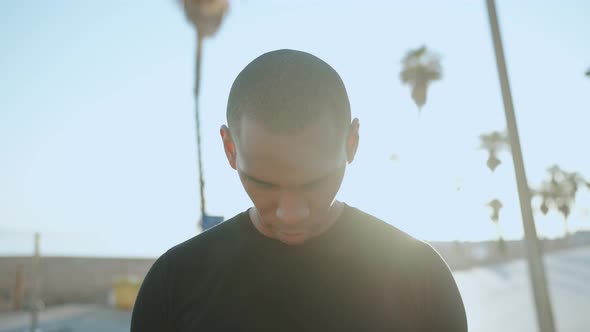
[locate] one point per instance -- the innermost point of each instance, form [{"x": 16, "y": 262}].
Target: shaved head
[{"x": 286, "y": 90}]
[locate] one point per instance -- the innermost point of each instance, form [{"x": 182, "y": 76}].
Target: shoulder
[
  {"x": 394, "y": 244},
  {"x": 426, "y": 282},
  {"x": 374, "y": 230},
  {"x": 208, "y": 245}
]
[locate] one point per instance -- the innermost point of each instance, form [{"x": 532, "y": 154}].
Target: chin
[{"x": 293, "y": 239}]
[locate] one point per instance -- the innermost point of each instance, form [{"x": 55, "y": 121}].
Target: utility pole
[
  {"x": 535, "y": 260},
  {"x": 19, "y": 288},
  {"x": 35, "y": 285}
]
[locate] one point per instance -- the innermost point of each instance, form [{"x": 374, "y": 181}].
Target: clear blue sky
[{"x": 96, "y": 114}]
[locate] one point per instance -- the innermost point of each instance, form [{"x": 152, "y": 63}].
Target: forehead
[{"x": 289, "y": 158}]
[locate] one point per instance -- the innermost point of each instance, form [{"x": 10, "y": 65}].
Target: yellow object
[{"x": 125, "y": 291}]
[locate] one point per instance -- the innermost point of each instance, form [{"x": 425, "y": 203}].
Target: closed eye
[
  {"x": 257, "y": 182},
  {"x": 262, "y": 184},
  {"x": 323, "y": 180},
  {"x": 316, "y": 183}
]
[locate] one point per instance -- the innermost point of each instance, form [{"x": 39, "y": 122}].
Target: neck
[{"x": 333, "y": 215}]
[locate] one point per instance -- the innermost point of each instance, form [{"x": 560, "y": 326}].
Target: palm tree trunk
[
  {"x": 499, "y": 231},
  {"x": 198, "y": 123},
  {"x": 535, "y": 260}
]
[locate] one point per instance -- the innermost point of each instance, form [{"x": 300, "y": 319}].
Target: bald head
[{"x": 286, "y": 90}]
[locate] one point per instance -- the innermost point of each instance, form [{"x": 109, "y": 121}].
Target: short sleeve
[
  {"x": 444, "y": 307},
  {"x": 151, "y": 309}
]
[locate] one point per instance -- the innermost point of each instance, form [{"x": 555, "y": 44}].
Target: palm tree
[
  {"x": 494, "y": 142},
  {"x": 560, "y": 191},
  {"x": 420, "y": 68},
  {"x": 496, "y": 206},
  {"x": 394, "y": 157},
  {"x": 206, "y": 16}
]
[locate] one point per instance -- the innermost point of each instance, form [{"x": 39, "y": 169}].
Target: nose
[{"x": 292, "y": 208}]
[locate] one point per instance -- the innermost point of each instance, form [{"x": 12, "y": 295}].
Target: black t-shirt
[{"x": 361, "y": 275}]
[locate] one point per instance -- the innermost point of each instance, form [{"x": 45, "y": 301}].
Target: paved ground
[
  {"x": 70, "y": 318},
  {"x": 497, "y": 298}
]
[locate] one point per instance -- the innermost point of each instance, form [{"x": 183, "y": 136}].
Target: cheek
[
  {"x": 326, "y": 195},
  {"x": 319, "y": 203}
]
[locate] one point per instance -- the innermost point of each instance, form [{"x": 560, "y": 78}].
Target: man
[{"x": 299, "y": 260}]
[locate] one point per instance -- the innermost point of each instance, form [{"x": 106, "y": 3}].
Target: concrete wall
[{"x": 69, "y": 279}]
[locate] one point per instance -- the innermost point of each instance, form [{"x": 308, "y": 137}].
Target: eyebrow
[{"x": 309, "y": 184}]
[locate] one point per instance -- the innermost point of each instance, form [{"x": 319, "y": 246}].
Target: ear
[
  {"x": 352, "y": 142},
  {"x": 229, "y": 146}
]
